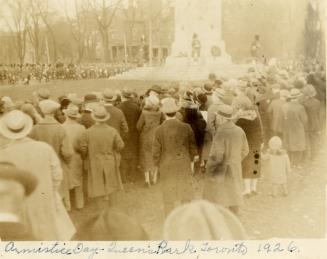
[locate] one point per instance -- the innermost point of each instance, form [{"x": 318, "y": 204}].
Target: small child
[{"x": 279, "y": 165}]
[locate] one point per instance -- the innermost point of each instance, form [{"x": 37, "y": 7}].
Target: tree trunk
[
  {"x": 150, "y": 43},
  {"x": 105, "y": 46}
]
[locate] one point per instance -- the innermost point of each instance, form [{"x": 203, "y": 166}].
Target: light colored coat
[
  {"x": 46, "y": 214},
  {"x": 173, "y": 150},
  {"x": 228, "y": 149},
  {"x": 101, "y": 145},
  {"x": 275, "y": 113},
  {"x": 210, "y": 131},
  {"x": 279, "y": 166},
  {"x": 294, "y": 127},
  {"x": 74, "y": 132},
  {"x": 51, "y": 131}
]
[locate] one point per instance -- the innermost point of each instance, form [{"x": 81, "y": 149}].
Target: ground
[{"x": 300, "y": 215}]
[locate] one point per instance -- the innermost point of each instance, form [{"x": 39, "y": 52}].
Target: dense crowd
[
  {"x": 83, "y": 150},
  {"x": 24, "y": 73}
]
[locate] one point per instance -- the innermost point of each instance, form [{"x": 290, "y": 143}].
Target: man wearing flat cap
[
  {"x": 15, "y": 186},
  {"x": 40, "y": 95},
  {"x": 49, "y": 130}
]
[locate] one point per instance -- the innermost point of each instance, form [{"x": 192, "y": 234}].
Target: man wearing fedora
[
  {"x": 16, "y": 186},
  {"x": 45, "y": 211},
  {"x": 117, "y": 118},
  {"x": 74, "y": 132},
  {"x": 89, "y": 101},
  {"x": 129, "y": 161},
  {"x": 100, "y": 145},
  {"x": 223, "y": 184},
  {"x": 295, "y": 125},
  {"x": 174, "y": 149}
]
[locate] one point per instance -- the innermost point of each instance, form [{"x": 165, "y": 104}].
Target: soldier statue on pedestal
[
  {"x": 196, "y": 47},
  {"x": 256, "y": 48}
]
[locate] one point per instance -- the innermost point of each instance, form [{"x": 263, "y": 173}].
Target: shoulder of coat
[{"x": 40, "y": 144}]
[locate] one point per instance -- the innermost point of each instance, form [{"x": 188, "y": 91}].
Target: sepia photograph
[{"x": 145, "y": 120}]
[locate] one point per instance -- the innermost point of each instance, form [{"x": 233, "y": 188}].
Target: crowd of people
[
  {"x": 83, "y": 150},
  {"x": 23, "y": 73}
]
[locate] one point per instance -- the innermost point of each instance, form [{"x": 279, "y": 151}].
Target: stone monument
[
  {"x": 198, "y": 48},
  {"x": 201, "y": 18}
]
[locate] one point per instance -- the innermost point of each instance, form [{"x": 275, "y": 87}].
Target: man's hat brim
[{"x": 10, "y": 134}]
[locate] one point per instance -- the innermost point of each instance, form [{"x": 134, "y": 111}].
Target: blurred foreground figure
[
  {"x": 112, "y": 225},
  {"x": 46, "y": 214},
  {"x": 15, "y": 186},
  {"x": 202, "y": 220}
]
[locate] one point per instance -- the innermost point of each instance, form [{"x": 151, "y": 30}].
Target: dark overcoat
[
  {"x": 294, "y": 126},
  {"x": 251, "y": 164},
  {"x": 132, "y": 113},
  {"x": 117, "y": 120},
  {"x": 173, "y": 150},
  {"x": 101, "y": 145}
]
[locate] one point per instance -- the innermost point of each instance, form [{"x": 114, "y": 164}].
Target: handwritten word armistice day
[{"x": 154, "y": 248}]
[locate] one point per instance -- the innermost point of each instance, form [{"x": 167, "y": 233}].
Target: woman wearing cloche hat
[
  {"x": 150, "y": 119},
  {"x": 223, "y": 184}
]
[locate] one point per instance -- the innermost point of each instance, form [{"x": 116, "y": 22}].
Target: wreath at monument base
[{"x": 215, "y": 51}]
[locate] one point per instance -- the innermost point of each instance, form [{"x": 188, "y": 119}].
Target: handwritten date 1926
[{"x": 271, "y": 247}]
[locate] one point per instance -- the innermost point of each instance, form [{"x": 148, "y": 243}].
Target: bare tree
[
  {"x": 34, "y": 29},
  {"x": 104, "y": 12},
  {"x": 45, "y": 14},
  {"x": 18, "y": 26},
  {"x": 78, "y": 26}
]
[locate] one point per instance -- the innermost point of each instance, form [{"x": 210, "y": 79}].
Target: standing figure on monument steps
[
  {"x": 256, "y": 48},
  {"x": 196, "y": 47}
]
